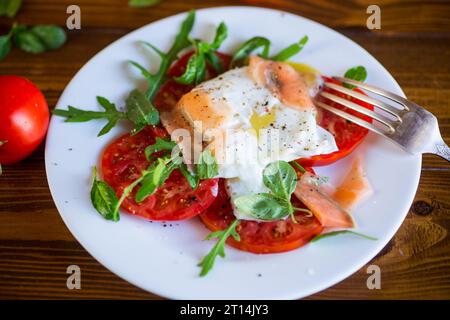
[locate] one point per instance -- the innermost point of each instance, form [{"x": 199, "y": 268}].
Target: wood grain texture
[{"x": 35, "y": 245}]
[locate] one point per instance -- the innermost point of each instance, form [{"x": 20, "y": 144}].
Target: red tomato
[
  {"x": 24, "y": 118},
  {"x": 261, "y": 237},
  {"x": 122, "y": 163},
  {"x": 347, "y": 134}
]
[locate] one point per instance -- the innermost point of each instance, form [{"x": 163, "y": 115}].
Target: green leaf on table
[
  {"x": 53, "y": 37},
  {"x": 10, "y": 8},
  {"x": 207, "y": 263},
  {"x": 28, "y": 41},
  {"x": 142, "y": 3},
  {"x": 335, "y": 233},
  {"x": 5, "y": 46},
  {"x": 358, "y": 73},
  {"x": 104, "y": 198},
  {"x": 291, "y": 50}
]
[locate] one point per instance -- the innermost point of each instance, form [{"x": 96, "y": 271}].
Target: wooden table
[{"x": 413, "y": 44}]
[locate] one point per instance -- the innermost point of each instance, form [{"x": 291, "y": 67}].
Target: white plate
[{"x": 164, "y": 260}]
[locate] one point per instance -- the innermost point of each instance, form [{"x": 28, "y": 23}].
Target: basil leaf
[
  {"x": 207, "y": 167},
  {"x": 10, "y": 8},
  {"x": 140, "y": 110},
  {"x": 263, "y": 206},
  {"x": 281, "y": 179},
  {"x": 335, "y": 233},
  {"x": 358, "y": 73},
  {"x": 159, "y": 145},
  {"x": 53, "y": 37},
  {"x": 5, "y": 46},
  {"x": 191, "y": 178},
  {"x": 142, "y": 3},
  {"x": 29, "y": 42},
  {"x": 221, "y": 35},
  {"x": 291, "y": 50},
  {"x": 104, "y": 199},
  {"x": 77, "y": 115},
  {"x": 207, "y": 263},
  {"x": 248, "y": 47}
]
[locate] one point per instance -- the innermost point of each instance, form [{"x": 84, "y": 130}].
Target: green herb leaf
[
  {"x": 221, "y": 35},
  {"x": 248, "y": 47},
  {"x": 298, "y": 166},
  {"x": 191, "y": 178},
  {"x": 141, "y": 111},
  {"x": 207, "y": 167},
  {"x": 281, "y": 179},
  {"x": 335, "y": 233},
  {"x": 290, "y": 51},
  {"x": 358, "y": 73},
  {"x": 142, "y": 3},
  {"x": 28, "y": 41},
  {"x": 10, "y": 8},
  {"x": 53, "y": 37},
  {"x": 159, "y": 145},
  {"x": 207, "y": 263},
  {"x": 190, "y": 73},
  {"x": 181, "y": 42},
  {"x": 77, "y": 115},
  {"x": 215, "y": 61},
  {"x": 264, "y": 206},
  {"x": 104, "y": 199},
  {"x": 5, "y": 46}
]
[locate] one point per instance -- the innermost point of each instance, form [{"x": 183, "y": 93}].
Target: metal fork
[{"x": 407, "y": 124}]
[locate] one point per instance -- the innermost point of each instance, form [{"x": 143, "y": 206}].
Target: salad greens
[
  {"x": 10, "y": 8},
  {"x": 207, "y": 263},
  {"x": 358, "y": 73},
  {"x": 104, "y": 198},
  {"x": 338, "y": 232},
  {"x": 280, "y": 178},
  {"x": 142, "y": 3}
]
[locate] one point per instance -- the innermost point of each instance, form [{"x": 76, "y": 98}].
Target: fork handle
[{"x": 442, "y": 150}]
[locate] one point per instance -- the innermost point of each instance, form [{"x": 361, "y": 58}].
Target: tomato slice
[
  {"x": 261, "y": 237},
  {"x": 122, "y": 162},
  {"x": 348, "y": 135}
]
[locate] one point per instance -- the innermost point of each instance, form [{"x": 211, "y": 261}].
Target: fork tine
[
  {"x": 360, "y": 109},
  {"x": 351, "y": 118},
  {"x": 380, "y": 104},
  {"x": 392, "y": 96}
]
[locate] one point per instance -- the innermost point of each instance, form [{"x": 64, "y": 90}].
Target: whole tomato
[{"x": 24, "y": 118}]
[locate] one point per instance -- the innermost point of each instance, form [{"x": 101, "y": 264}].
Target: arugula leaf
[
  {"x": 280, "y": 178},
  {"x": 10, "y": 8},
  {"x": 298, "y": 166},
  {"x": 264, "y": 206},
  {"x": 291, "y": 50},
  {"x": 5, "y": 46},
  {"x": 358, "y": 73},
  {"x": 77, "y": 115},
  {"x": 142, "y": 3},
  {"x": 53, "y": 37},
  {"x": 207, "y": 263},
  {"x": 335, "y": 233},
  {"x": 104, "y": 198},
  {"x": 207, "y": 167},
  {"x": 140, "y": 111},
  {"x": 196, "y": 66},
  {"x": 191, "y": 178},
  {"x": 181, "y": 42},
  {"x": 248, "y": 47},
  {"x": 159, "y": 145}
]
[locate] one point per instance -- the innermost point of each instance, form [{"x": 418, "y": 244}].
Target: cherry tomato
[
  {"x": 24, "y": 118},
  {"x": 348, "y": 135},
  {"x": 122, "y": 163},
  {"x": 261, "y": 237}
]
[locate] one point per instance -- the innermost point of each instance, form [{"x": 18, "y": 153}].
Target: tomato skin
[
  {"x": 261, "y": 237},
  {"x": 122, "y": 163},
  {"x": 348, "y": 135},
  {"x": 24, "y": 118}
]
